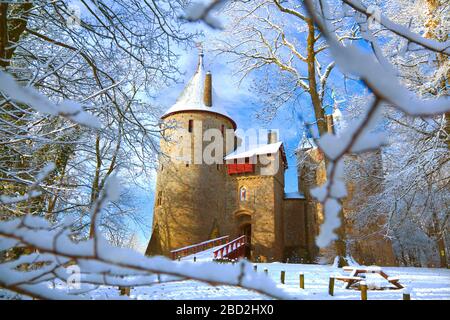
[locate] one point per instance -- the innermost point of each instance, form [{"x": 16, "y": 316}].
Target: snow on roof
[
  {"x": 338, "y": 121},
  {"x": 294, "y": 195},
  {"x": 191, "y": 99},
  {"x": 250, "y": 151}
]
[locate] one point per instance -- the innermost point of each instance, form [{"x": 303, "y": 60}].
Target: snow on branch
[
  {"x": 204, "y": 11},
  {"x": 32, "y": 193},
  {"x": 402, "y": 31},
  {"x": 356, "y": 139},
  {"x": 29, "y": 96},
  {"x": 103, "y": 264},
  {"x": 386, "y": 89},
  {"x": 54, "y": 254}
]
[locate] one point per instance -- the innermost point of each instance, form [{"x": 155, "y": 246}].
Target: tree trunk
[
  {"x": 324, "y": 125},
  {"x": 438, "y": 237},
  {"x": 3, "y": 34},
  {"x": 440, "y": 242},
  {"x": 11, "y": 30},
  {"x": 95, "y": 183},
  {"x": 319, "y": 112}
]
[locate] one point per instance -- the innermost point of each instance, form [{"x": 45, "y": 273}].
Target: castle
[{"x": 240, "y": 194}]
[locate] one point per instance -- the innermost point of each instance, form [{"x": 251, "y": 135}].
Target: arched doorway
[
  {"x": 243, "y": 223},
  {"x": 246, "y": 229}
]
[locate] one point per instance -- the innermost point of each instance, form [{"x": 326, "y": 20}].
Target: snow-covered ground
[{"x": 423, "y": 283}]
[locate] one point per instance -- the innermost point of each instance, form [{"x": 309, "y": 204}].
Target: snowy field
[{"x": 423, "y": 283}]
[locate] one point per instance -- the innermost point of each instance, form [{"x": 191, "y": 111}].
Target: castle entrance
[{"x": 246, "y": 229}]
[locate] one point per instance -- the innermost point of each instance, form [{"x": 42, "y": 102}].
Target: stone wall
[{"x": 296, "y": 246}]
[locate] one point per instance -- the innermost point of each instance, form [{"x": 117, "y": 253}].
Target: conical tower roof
[
  {"x": 192, "y": 97},
  {"x": 307, "y": 142}
]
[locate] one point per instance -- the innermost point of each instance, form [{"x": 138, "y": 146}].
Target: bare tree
[{"x": 104, "y": 56}]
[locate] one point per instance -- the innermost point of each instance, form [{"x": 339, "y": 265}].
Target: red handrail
[
  {"x": 195, "y": 248},
  {"x": 230, "y": 247}
]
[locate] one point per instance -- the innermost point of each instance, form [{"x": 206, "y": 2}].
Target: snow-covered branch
[
  {"x": 100, "y": 263},
  {"x": 205, "y": 11},
  {"x": 29, "y": 96},
  {"x": 402, "y": 31},
  {"x": 386, "y": 89}
]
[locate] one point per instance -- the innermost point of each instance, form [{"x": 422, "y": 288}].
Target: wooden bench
[
  {"x": 354, "y": 271},
  {"x": 349, "y": 279},
  {"x": 395, "y": 282}
]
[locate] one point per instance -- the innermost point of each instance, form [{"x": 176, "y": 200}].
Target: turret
[{"x": 190, "y": 202}]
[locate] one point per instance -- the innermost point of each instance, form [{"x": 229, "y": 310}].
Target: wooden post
[
  {"x": 302, "y": 280},
  {"x": 179, "y": 258},
  {"x": 406, "y": 295},
  {"x": 363, "y": 287},
  {"x": 255, "y": 267},
  {"x": 283, "y": 275},
  {"x": 125, "y": 291},
  {"x": 331, "y": 286},
  {"x": 266, "y": 271},
  {"x": 195, "y": 258}
]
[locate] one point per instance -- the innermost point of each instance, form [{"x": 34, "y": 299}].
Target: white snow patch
[{"x": 250, "y": 151}]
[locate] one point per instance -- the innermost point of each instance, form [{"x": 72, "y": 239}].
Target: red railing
[
  {"x": 202, "y": 246},
  {"x": 232, "y": 250}
]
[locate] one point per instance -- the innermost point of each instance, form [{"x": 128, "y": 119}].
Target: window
[
  {"x": 190, "y": 125},
  {"x": 159, "y": 200},
  {"x": 243, "y": 194},
  {"x": 222, "y": 129}
]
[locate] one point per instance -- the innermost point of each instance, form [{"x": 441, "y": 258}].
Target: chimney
[
  {"x": 272, "y": 136},
  {"x": 207, "y": 94}
]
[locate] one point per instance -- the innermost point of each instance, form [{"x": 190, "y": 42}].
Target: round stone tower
[{"x": 191, "y": 179}]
